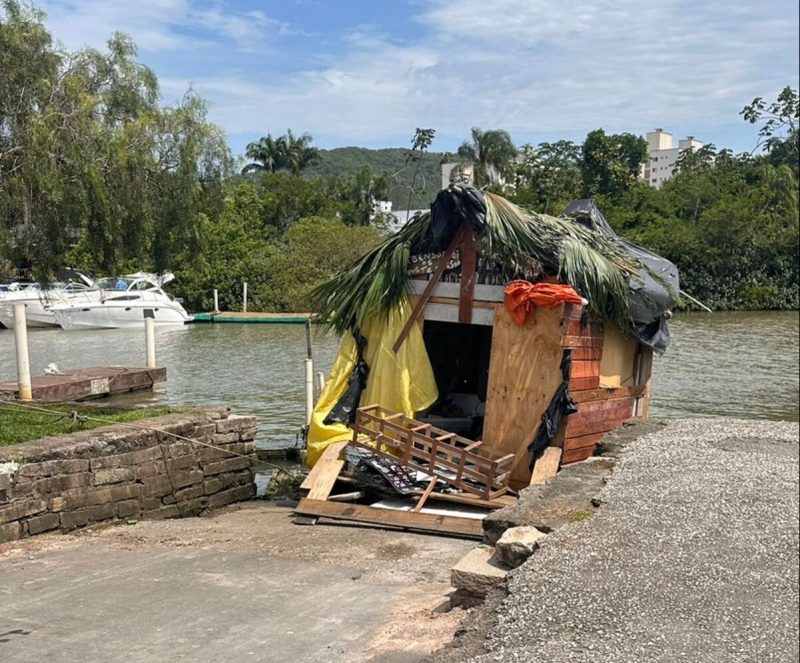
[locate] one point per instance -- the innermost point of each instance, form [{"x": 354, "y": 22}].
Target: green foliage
[
  {"x": 344, "y": 162},
  {"x": 92, "y": 168},
  {"x": 491, "y": 152},
  {"x": 287, "y": 152},
  {"x": 610, "y": 164}
]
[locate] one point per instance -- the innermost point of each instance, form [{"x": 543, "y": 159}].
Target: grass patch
[
  {"x": 580, "y": 516},
  {"x": 20, "y": 424}
]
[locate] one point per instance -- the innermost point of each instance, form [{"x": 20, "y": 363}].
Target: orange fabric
[{"x": 522, "y": 296}]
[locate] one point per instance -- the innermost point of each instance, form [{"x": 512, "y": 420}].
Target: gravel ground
[{"x": 693, "y": 556}]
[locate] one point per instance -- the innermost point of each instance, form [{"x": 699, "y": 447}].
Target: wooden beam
[
  {"x": 469, "y": 261},
  {"x": 546, "y": 466},
  {"x": 465, "y": 527},
  {"x": 331, "y": 452},
  {"x": 424, "y": 497},
  {"x": 423, "y": 298}
]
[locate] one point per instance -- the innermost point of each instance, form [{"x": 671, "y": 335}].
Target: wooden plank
[
  {"x": 423, "y": 299},
  {"x": 471, "y": 500},
  {"x": 577, "y": 384},
  {"x": 524, "y": 373},
  {"x": 465, "y": 527},
  {"x": 325, "y": 479},
  {"x": 570, "y": 341},
  {"x": 607, "y": 405},
  {"x": 546, "y": 466},
  {"x": 579, "y": 354},
  {"x": 588, "y": 426},
  {"x": 424, "y": 497},
  {"x": 449, "y": 292},
  {"x": 454, "y": 302},
  {"x": 581, "y": 441},
  {"x": 606, "y": 393},
  {"x": 575, "y": 328},
  {"x": 620, "y": 353},
  {"x": 584, "y": 368},
  {"x": 469, "y": 260},
  {"x": 575, "y": 455},
  {"x": 331, "y": 452}
]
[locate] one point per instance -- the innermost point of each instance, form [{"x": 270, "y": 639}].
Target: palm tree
[
  {"x": 267, "y": 154},
  {"x": 297, "y": 151},
  {"x": 491, "y": 151}
]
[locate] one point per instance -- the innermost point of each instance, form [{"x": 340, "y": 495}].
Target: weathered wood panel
[
  {"x": 620, "y": 352},
  {"x": 523, "y": 376},
  {"x": 466, "y": 527},
  {"x": 546, "y": 466}
]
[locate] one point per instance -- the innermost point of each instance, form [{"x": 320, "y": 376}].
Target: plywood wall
[
  {"x": 618, "y": 366},
  {"x": 523, "y": 376}
]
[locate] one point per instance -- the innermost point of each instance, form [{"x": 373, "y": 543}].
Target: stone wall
[{"x": 119, "y": 472}]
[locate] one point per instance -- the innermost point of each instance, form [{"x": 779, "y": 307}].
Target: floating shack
[{"x": 482, "y": 330}]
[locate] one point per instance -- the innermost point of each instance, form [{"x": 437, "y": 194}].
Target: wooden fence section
[{"x": 465, "y": 464}]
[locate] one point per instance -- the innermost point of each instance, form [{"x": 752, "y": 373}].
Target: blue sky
[{"x": 368, "y": 72}]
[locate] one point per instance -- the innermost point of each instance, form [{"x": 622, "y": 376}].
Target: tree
[
  {"x": 287, "y": 152},
  {"x": 267, "y": 155},
  {"x": 778, "y": 135},
  {"x": 548, "y": 177},
  {"x": 362, "y": 191},
  {"x": 92, "y": 168},
  {"x": 610, "y": 164},
  {"x": 491, "y": 152},
  {"x": 298, "y": 152}
]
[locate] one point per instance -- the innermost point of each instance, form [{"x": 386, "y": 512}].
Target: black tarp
[{"x": 650, "y": 299}]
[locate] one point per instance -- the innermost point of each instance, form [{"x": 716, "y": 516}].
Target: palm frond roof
[{"x": 513, "y": 243}]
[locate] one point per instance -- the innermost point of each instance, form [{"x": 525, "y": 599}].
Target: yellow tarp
[{"x": 402, "y": 382}]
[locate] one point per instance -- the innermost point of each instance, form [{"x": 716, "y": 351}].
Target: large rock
[
  {"x": 517, "y": 544},
  {"x": 478, "y": 572}
]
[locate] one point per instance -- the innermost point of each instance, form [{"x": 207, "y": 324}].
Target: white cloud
[
  {"x": 530, "y": 66},
  {"x": 159, "y": 25}
]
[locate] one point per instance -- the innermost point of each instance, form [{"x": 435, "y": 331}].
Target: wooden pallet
[{"x": 465, "y": 464}]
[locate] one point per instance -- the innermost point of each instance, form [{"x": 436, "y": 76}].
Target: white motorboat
[
  {"x": 123, "y": 303},
  {"x": 39, "y": 299}
]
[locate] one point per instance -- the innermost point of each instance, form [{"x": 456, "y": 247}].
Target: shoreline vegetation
[{"x": 96, "y": 173}]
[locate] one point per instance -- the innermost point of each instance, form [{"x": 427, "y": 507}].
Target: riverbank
[{"x": 692, "y": 556}]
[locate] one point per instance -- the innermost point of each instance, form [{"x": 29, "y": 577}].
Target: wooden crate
[{"x": 465, "y": 464}]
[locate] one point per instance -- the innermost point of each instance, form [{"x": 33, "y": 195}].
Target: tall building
[{"x": 662, "y": 156}]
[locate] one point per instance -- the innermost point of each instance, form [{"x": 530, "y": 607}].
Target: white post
[
  {"x": 216, "y": 301},
  {"x": 150, "y": 342},
  {"x": 309, "y": 389},
  {"x": 23, "y": 360},
  {"x": 244, "y": 297},
  {"x": 320, "y": 382}
]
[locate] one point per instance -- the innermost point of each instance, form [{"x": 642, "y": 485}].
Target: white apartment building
[{"x": 662, "y": 156}]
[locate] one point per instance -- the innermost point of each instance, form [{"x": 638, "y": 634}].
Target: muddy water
[{"x": 722, "y": 364}]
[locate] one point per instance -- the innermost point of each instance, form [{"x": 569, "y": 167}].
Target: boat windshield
[{"x": 124, "y": 283}]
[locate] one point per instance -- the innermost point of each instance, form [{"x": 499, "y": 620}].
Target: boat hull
[{"x": 108, "y": 315}]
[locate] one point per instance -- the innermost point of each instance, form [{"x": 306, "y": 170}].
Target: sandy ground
[{"x": 243, "y": 584}]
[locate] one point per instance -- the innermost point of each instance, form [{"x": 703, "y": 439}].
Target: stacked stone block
[{"x": 121, "y": 472}]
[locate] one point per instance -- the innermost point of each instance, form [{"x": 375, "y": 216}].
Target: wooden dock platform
[
  {"x": 254, "y": 317},
  {"x": 83, "y": 383}
]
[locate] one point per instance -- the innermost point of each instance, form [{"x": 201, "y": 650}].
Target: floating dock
[
  {"x": 85, "y": 383},
  {"x": 264, "y": 318}
]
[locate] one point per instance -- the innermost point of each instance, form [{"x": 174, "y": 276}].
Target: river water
[{"x": 721, "y": 364}]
